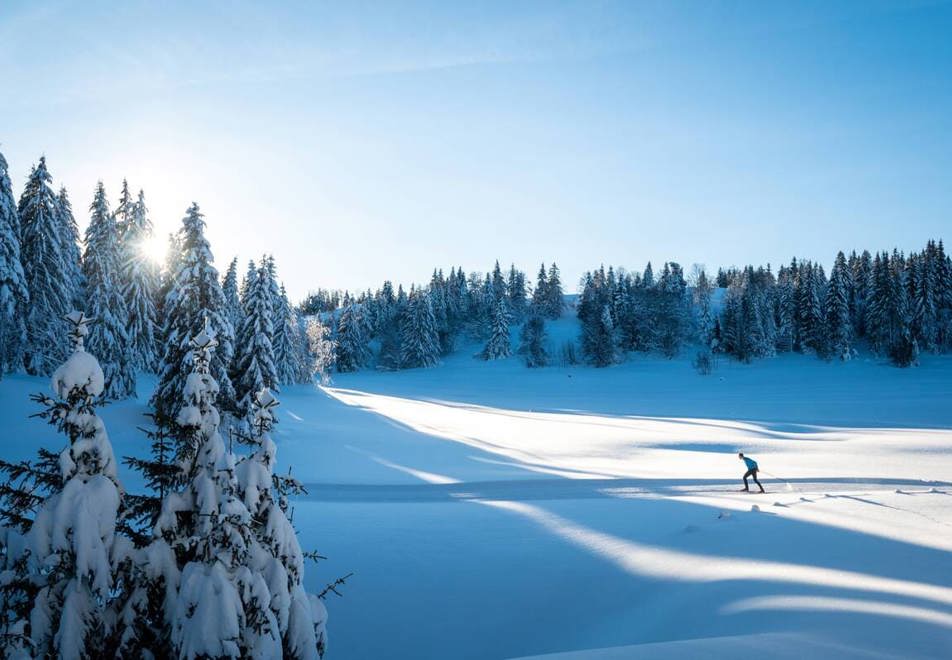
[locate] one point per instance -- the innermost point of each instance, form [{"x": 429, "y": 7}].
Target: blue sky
[{"x": 364, "y": 141}]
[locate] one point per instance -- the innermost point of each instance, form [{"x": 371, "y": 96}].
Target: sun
[{"x": 154, "y": 249}]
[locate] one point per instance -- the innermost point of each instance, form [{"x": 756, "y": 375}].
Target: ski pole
[{"x": 789, "y": 485}]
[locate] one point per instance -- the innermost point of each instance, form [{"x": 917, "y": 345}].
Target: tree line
[
  {"x": 891, "y": 304},
  {"x": 397, "y": 329}
]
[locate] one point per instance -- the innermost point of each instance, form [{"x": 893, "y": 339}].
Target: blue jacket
[{"x": 751, "y": 463}]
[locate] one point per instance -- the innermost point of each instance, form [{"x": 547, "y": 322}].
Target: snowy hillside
[{"x": 492, "y": 511}]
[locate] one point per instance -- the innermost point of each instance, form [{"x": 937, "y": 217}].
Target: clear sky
[{"x": 359, "y": 142}]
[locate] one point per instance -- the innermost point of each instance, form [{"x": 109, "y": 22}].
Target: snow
[
  {"x": 488, "y": 510},
  {"x": 81, "y": 370}
]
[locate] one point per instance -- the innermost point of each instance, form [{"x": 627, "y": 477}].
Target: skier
[{"x": 751, "y": 472}]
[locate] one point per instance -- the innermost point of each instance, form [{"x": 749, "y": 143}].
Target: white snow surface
[{"x": 492, "y": 511}]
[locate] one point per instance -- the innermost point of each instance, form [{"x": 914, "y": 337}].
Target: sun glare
[{"x": 154, "y": 249}]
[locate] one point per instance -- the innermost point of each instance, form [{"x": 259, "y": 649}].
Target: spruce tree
[
  {"x": 499, "y": 287},
  {"x": 518, "y": 301},
  {"x": 532, "y": 342},
  {"x": 647, "y": 278},
  {"x": 229, "y": 287},
  {"x": 170, "y": 267},
  {"x": 810, "y": 308},
  {"x": 352, "y": 353},
  {"x": 322, "y": 348},
  {"x": 540, "y": 295},
  {"x": 14, "y": 295},
  {"x": 254, "y": 358},
  {"x": 837, "y": 311},
  {"x": 419, "y": 341},
  {"x": 943, "y": 269},
  {"x": 598, "y": 338},
  {"x": 251, "y": 273},
  {"x": 703, "y": 313},
  {"x": 390, "y": 314},
  {"x": 139, "y": 284},
  {"x": 922, "y": 286},
  {"x": 223, "y": 605},
  {"x": 66, "y": 576},
  {"x": 499, "y": 345},
  {"x": 301, "y": 617},
  {"x": 742, "y": 324},
  {"x": 72, "y": 258},
  {"x": 671, "y": 313},
  {"x": 107, "y": 337},
  {"x": 903, "y": 347},
  {"x": 42, "y": 253},
  {"x": 194, "y": 298},
  {"x": 293, "y": 361},
  {"x": 786, "y": 309},
  {"x": 554, "y": 293},
  {"x": 123, "y": 213}
]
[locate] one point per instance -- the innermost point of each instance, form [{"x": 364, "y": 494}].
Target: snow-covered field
[{"x": 491, "y": 511}]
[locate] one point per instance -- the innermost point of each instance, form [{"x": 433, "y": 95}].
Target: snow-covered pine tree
[
  {"x": 287, "y": 356},
  {"x": 500, "y": 289},
  {"x": 170, "y": 267},
  {"x": 598, "y": 338},
  {"x": 14, "y": 295},
  {"x": 588, "y": 307},
  {"x": 532, "y": 342},
  {"x": 943, "y": 268},
  {"x": 139, "y": 281},
  {"x": 878, "y": 303},
  {"x": 703, "y": 315},
  {"x": 922, "y": 286},
  {"x": 301, "y": 617},
  {"x": 457, "y": 301},
  {"x": 786, "y": 309},
  {"x": 766, "y": 301},
  {"x": 837, "y": 311},
  {"x": 903, "y": 347},
  {"x": 437, "y": 294},
  {"x": 251, "y": 274},
  {"x": 300, "y": 361},
  {"x": 671, "y": 311},
  {"x": 254, "y": 359},
  {"x": 741, "y": 325},
  {"x": 194, "y": 298},
  {"x": 518, "y": 300},
  {"x": 419, "y": 341},
  {"x": 554, "y": 293},
  {"x": 41, "y": 252},
  {"x": 71, "y": 545},
  {"x": 861, "y": 270},
  {"x": 229, "y": 287},
  {"x": 540, "y": 295},
  {"x": 810, "y": 308},
  {"x": 69, "y": 233},
  {"x": 637, "y": 332},
  {"x": 648, "y": 277},
  {"x": 486, "y": 299},
  {"x": 499, "y": 345},
  {"x": 122, "y": 214},
  {"x": 322, "y": 348},
  {"x": 390, "y": 313},
  {"x": 107, "y": 338},
  {"x": 222, "y": 608},
  {"x": 352, "y": 352}
]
